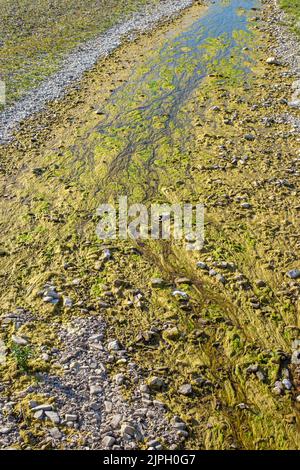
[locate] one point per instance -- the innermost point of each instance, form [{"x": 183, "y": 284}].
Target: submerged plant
[{"x": 21, "y": 354}]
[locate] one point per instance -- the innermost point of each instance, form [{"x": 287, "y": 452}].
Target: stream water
[{"x": 146, "y": 120}]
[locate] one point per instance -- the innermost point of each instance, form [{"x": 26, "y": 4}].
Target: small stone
[
  {"x": 68, "y": 303},
  {"x": 108, "y": 406},
  {"x": 249, "y": 137},
  {"x": 114, "y": 346},
  {"x": 272, "y": 61},
  {"x": 19, "y": 340},
  {"x": 71, "y": 417},
  {"x": 43, "y": 407},
  {"x": 298, "y": 398},
  {"x": 95, "y": 390},
  {"x": 127, "y": 429},
  {"x": 53, "y": 416},
  {"x": 156, "y": 383},
  {"x": 202, "y": 265},
  {"x": 182, "y": 280},
  {"x": 246, "y": 205},
  {"x": 180, "y": 294},
  {"x": 260, "y": 283},
  {"x": 4, "y": 430},
  {"x": 115, "y": 421},
  {"x": 287, "y": 384},
  {"x": 45, "y": 357},
  {"x": 185, "y": 389},
  {"x": 108, "y": 441},
  {"x": 157, "y": 282},
  {"x": 296, "y": 358},
  {"x": 119, "y": 379},
  {"x": 171, "y": 334},
  {"x": 39, "y": 414},
  {"x": 294, "y": 274},
  {"x": 55, "y": 433},
  {"x": 221, "y": 278}
]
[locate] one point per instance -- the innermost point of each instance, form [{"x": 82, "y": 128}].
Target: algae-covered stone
[
  {"x": 156, "y": 383},
  {"x": 185, "y": 389},
  {"x": 171, "y": 334}
]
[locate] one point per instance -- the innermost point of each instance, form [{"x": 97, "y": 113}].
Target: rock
[
  {"x": 298, "y": 398},
  {"x": 71, "y": 417},
  {"x": 171, "y": 334},
  {"x": 252, "y": 369},
  {"x": 246, "y": 205},
  {"x": 182, "y": 280},
  {"x": 296, "y": 358},
  {"x": 114, "y": 346},
  {"x": 260, "y": 375},
  {"x": 156, "y": 383},
  {"x": 108, "y": 441},
  {"x": 249, "y": 137},
  {"x": 202, "y": 265},
  {"x": 68, "y": 303},
  {"x": 157, "y": 282},
  {"x": 19, "y": 340},
  {"x": 95, "y": 390},
  {"x": 119, "y": 379},
  {"x": 127, "y": 429},
  {"x": 293, "y": 274},
  {"x": 45, "y": 357},
  {"x": 39, "y": 414},
  {"x": 273, "y": 61},
  {"x": 185, "y": 389},
  {"x": 180, "y": 294},
  {"x": 108, "y": 406},
  {"x": 4, "y": 430},
  {"x": 115, "y": 421},
  {"x": 221, "y": 278},
  {"x": 43, "y": 407},
  {"x": 53, "y": 416},
  {"x": 287, "y": 384},
  {"x": 55, "y": 433},
  {"x": 260, "y": 283},
  {"x": 296, "y": 344}
]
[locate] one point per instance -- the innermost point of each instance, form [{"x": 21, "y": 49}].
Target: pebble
[
  {"x": 53, "y": 416},
  {"x": 44, "y": 407},
  {"x": 71, "y": 417},
  {"x": 272, "y": 61},
  {"x": 180, "y": 293},
  {"x": 55, "y": 433},
  {"x": 294, "y": 274},
  {"x": 296, "y": 358},
  {"x": 185, "y": 389},
  {"x": 127, "y": 429},
  {"x": 108, "y": 441},
  {"x": 287, "y": 384},
  {"x": 95, "y": 390},
  {"x": 202, "y": 265},
  {"x": 114, "y": 346},
  {"x": 39, "y": 414},
  {"x": 19, "y": 340},
  {"x": 156, "y": 383}
]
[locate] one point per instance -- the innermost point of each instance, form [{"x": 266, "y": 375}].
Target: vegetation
[
  {"x": 35, "y": 35},
  {"x": 292, "y": 7}
]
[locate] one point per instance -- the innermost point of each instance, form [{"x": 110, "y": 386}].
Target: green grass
[
  {"x": 35, "y": 35},
  {"x": 292, "y": 8}
]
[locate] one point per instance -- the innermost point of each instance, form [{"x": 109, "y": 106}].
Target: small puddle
[{"x": 146, "y": 119}]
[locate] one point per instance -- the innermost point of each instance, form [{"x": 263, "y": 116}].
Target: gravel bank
[{"x": 82, "y": 59}]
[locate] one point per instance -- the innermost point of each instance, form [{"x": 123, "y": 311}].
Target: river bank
[{"x": 112, "y": 358}]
